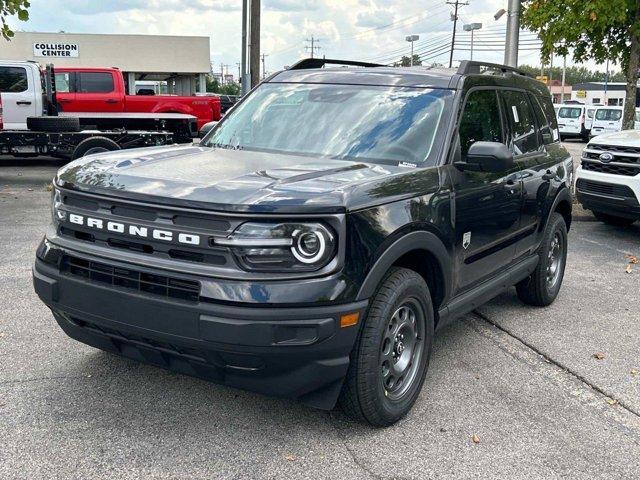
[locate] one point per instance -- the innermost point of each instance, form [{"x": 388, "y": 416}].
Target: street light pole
[
  {"x": 513, "y": 34},
  {"x": 244, "y": 78},
  {"x": 411, "y": 39},
  {"x": 472, "y": 27}
]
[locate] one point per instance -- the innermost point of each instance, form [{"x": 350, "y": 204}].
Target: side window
[
  {"x": 523, "y": 136},
  {"x": 480, "y": 120},
  {"x": 63, "y": 82},
  {"x": 546, "y": 120},
  {"x": 13, "y": 80},
  {"x": 95, "y": 82}
]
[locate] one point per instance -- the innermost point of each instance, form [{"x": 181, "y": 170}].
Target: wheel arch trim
[{"x": 417, "y": 240}]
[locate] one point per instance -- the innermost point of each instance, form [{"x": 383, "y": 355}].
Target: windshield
[
  {"x": 569, "y": 112},
  {"x": 611, "y": 115},
  {"x": 371, "y": 123}
]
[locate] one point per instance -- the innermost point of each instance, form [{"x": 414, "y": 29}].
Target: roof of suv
[{"x": 419, "y": 76}]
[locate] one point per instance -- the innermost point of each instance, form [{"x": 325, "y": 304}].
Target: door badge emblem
[{"x": 466, "y": 240}]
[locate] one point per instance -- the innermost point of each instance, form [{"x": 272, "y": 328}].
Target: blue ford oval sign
[{"x": 606, "y": 157}]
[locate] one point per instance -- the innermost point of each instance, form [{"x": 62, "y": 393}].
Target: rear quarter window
[
  {"x": 546, "y": 118},
  {"x": 95, "y": 82}
]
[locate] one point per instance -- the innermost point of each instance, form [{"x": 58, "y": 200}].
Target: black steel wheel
[
  {"x": 92, "y": 145},
  {"x": 542, "y": 287},
  {"x": 391, "y": 357}
]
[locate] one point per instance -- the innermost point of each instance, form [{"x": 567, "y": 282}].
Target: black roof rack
[
  {"x": 308, "y": 63},
  {"x": 471, "y": 66}
]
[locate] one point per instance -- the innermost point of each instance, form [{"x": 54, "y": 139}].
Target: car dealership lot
[{"x": 523, "y": 381}]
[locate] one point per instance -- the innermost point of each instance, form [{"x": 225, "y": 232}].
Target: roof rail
[
  {"x": 471, "y": 66},
  {"x": 308, "y": 63}
]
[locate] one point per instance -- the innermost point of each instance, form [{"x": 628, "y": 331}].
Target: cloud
[
  {"x": 291, "y": 5},
  {"x": 374, "y": 19}
]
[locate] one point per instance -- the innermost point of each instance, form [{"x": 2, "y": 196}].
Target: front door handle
[
  {"x": 64, "y": 100},
  {"x": 23, "y": 102}
]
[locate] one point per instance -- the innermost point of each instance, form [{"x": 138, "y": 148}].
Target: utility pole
[
  {"x": 244, "y": 78},
  {"x": 606, "y": 84},
  {"x": 313, "y": 48},
  {"x": 222, "y": 74},
  {"x": 264, "y": 69},
  {"x": 454, "y": 17},
  {"x": 513, "y": 34},
  {"x": 254, "y": 42},
  {"x": 239, "y": 73}
]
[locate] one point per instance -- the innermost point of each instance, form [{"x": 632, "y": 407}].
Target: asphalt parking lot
[{"x": 545, "y": 393}]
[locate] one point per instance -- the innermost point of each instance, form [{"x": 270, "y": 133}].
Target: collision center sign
[{"x": 42, "y": 49}]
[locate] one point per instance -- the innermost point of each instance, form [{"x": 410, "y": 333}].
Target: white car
[
  {"x": 572, "y": 121},
  {"x": 606, "y": 120},
  {"x": 608, "y": 178}
]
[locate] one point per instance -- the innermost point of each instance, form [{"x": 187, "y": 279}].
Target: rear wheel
[
  {"x": 542, "y": 287},
  {"x": 390, "y": 359},
  {"x": 92, "y": 145},
  {"x": 613, "y": 219}
]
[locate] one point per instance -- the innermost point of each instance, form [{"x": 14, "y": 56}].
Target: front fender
[{"x": 417, "y": 240}]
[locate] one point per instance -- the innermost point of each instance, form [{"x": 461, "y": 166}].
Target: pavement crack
[{"x": 559, "y": 365}]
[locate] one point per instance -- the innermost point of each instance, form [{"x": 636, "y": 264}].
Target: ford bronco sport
[{"x": 320, "y": 234}]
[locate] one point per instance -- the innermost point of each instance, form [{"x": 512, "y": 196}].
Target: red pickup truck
[{"x": 103, "y": 90}]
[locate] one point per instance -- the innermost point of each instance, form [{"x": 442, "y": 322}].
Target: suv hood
[
  {"x": 625, "y": 138},
  {"x": 231, "y": 180}
]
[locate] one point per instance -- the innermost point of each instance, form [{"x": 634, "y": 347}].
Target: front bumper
[
  {"x": 608, "y": 193},
  {"x": 294, "y": 352}
]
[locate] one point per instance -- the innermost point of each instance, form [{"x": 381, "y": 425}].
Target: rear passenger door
[
  {"x": 96, "y": 92},
  {"x": 18, "y": 96},
  {"x": 535, "y": 164}
]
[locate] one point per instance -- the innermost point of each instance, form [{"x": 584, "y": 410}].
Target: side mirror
[
  {"x": 487, "y": 157},
  {"x": 547, "y": 138},
  {"x": 206, "y": 128}
]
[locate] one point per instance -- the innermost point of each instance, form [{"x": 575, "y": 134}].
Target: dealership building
[
  {"x": 600, "y": 93},
  {"x": 167, "y": 64}
]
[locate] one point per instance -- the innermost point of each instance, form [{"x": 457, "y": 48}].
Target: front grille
[
  {"x": 627, "y": 171},
  {"x": 591, "y": 155},
  {"x": 131, "y": 279},
  {"x": 600, "y": 188},
  {"x": 615, "y": 149}
]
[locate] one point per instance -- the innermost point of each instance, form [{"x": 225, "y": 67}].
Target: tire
[
  {"x": 53, "y": 124},
  {"x": 93, "y": 145},
  {"x": 613, "y": 219},
  {"x": 542, "y": 287},
  {"x": 370, "y": 394}
]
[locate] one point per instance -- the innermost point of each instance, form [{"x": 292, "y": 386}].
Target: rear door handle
[
  {"x": 549, "y": 175},
  {"x": 111, "y": 100},
  {"x": 64, "y": 100},
  {"x": 23, "y": 102}
]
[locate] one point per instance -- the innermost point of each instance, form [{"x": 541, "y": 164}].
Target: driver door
[{"x": 487, "y": 205}]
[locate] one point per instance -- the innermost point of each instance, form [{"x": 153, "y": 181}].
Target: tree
[
  {"x": 574, "y": 75},
  {"x": 12, "y": 8},
  {"x": 213, "y": 86},
  {"x": 405, "y": 61},
  {"x": 597, "y": 30}
]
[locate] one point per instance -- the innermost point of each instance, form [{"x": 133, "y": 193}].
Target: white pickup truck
[{"x": 31, "y": 123}]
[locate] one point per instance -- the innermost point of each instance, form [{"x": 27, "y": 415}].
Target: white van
[
  {"x": 571, "y": 121},
  {"x": 606, "y": 120},
  {"x": 588, "y": 121}
]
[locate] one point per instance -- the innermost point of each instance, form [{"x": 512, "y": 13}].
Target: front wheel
[
  {"x": 542, "y": 287},
  {"x": 391, "y": 357}
]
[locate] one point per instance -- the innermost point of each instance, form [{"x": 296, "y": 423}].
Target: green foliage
[
  {"x": 10, "y": 8},
  {"x": 574, "y": 75},
  {"x": 213, "y": 86},
  {"x": 597, "y": 30},
  {"x": 405, "y": 61}
]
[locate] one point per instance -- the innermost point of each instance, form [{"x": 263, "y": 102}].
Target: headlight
[
  {"x": 282, "y": 247},
  {"x": 56, "y": 203}
]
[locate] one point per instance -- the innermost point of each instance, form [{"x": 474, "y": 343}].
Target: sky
[{"x": 372, "y": 30}]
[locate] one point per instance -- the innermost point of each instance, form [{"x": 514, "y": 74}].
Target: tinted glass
[
  {"x": 63, "y": 82},
  {"x": 569, "y": 112},
  {"x": 373, "y": 123},
  {"x": 609, "y": 115},
  {"x": 480, "y": 120},
  {"x": 13, "y": 80},
  {"x": 542, "y": 121},
  {"x": 590, "y": 112},
  {"x": 95, "y": 82},
  {"x": 523, "y": 135}
]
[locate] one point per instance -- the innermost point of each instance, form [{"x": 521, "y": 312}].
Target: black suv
[{"x": 310, "y": 246}]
